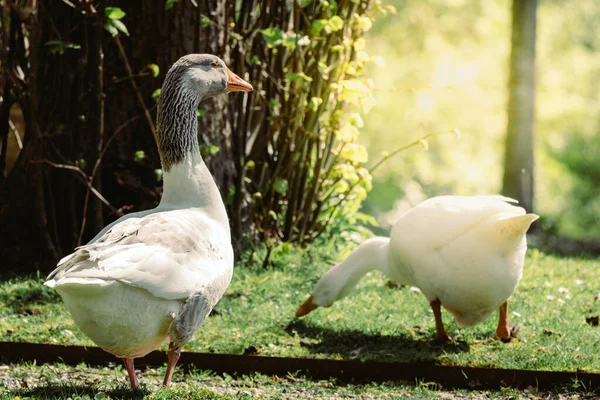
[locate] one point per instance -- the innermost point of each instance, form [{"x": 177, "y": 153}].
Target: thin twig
[
  {"x": 86, "y": 202},
  {"x": 135, "y": 87},
  {"x": 408, "y": 146},
  {"x": 85, "y": 179},
  {"x": 15, "y": 132},
  {"x": 109, "y": 141},
  {"x": 370, "y": 171},
  {"x": 125, "y": 78},
  {"x": 95, "y": 170},
  {"x": 412, "y": 90}
]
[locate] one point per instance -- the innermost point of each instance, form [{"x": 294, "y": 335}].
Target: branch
[
  {"x": 421, "y": 141},
  {"x": 109, "y": 141},
  {"x": 125, "y": 78},
  {"x": 15, "y": 132},
  {"x": 135, "y": 87},
  {"x": 85, "y": 179}
]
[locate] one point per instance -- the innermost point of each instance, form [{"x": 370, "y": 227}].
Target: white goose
[
  {"x": 464, "y": 253},
  {"x": 155, "y": 275}
]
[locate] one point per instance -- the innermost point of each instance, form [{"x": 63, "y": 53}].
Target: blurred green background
[{"x": 446, "y": 66}]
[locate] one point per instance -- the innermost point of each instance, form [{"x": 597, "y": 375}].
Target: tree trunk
[
  {"x": 518, "y": 162},
  {"x": 82, "y": 103}
]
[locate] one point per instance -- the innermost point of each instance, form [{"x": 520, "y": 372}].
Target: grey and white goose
[{"x": 155, "y": 275}]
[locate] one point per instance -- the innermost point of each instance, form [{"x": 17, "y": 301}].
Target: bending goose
[
  {"x": 464, "y": 253},
  {"x": 155, "y": 275}
]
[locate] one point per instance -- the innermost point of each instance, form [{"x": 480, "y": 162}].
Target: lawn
[
  {"x": 58, "y": 381},
  {"x": 554, "y": 308}
]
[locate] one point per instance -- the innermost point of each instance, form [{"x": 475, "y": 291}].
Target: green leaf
[
  {"x": 360, "y": 193},
  {"x": 273, "y": 36},
  {"x": 111, "y": 28},
  {"x": 274, "y": 104},
  {"x": 304, "y": 3},
  {"x": 280, "y": 185},
  {"x": 347, "y": 133},
  {"x": 335, "y": 23},
  {"x": 120, "y": 26},
  {"x": 158, "y": 173},
  {"x": 154, "y": 69},
  {"x": 255, "y": 60},
  {"x": 314, "y": 103},
  {"x": 156, "y": 94},
  {"x": 207, "y": 150},
  {"x": 273, "y": 215},
  {"x": 317, "y": 26},
  {"x": 296, "y": 76},
  {"x": 228, "y": 199},
  {"x": 205, "y": 21},
  {"x": 114, "y": 13},
  {"x": 58, "y": 46},
  {"x": 139, "y": 155},
  {"x": 200, "y": 113},
  {"x": 249, "y": 165},
  {"x": 363, "y": 23},
  {"x": 355, "y": 152},
  {"x": 170, "y": 3},
  {"x": 356, "y": 120},
  {"x": 289, "y": 41},
  {"x": 365, "y": 219}
]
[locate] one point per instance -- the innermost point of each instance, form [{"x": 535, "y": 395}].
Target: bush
[{"x": 304, "y": 167}]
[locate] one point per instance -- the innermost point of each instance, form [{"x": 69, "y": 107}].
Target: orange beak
[
  {"x": 237, "y": 84},
  {"x": 306, "y": 307}
]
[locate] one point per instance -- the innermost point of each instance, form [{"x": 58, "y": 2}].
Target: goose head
[
  {"x": 190, "y": 80},
  {"x": 339, "y": 281},
  {"x": 204, "y": 75}
]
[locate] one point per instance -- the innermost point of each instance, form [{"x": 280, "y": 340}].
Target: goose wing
[
  {"x": 171, "y": 254},
  {"x": 440, "y": 220}
]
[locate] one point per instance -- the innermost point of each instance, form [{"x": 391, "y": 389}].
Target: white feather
[
  {"x": 127, "y": 286},
  {"x": 466, "y": 251}
]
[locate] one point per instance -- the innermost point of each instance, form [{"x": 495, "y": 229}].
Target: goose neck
[
  {"x": 187, "y": 182},
  {"x": 177, "y": 123},
  {"x": 341, "y": 279}
]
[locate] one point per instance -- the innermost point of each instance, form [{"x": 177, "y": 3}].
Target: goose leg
[
  {"x": 173, "y": 357},
  {"x": 135, "y": 383},
  {"x": 440, "y": 333},
  {"x": 503, "y": 330}
]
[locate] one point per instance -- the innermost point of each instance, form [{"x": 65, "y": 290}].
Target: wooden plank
[{"x": 342, "y": 370}]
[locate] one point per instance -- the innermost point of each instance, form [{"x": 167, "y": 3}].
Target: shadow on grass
[
  {"x": 354, "y": 344},
  {"x": 551, "y": 243},
  {"x": 65, "y": 391},
  {"x": 33, "y": 293}
]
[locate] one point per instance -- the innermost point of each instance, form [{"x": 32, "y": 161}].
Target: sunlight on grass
[
  {"x": 58, "y": 381},
  {"x": 551, "y": 305}
]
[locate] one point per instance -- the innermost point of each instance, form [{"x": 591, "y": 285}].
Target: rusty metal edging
[{"x": 343, "y": 370}]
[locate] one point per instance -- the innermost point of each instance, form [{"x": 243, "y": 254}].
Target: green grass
[
  {"x": 58, "y": 381},
  {"x": 373, "y": 323}
]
